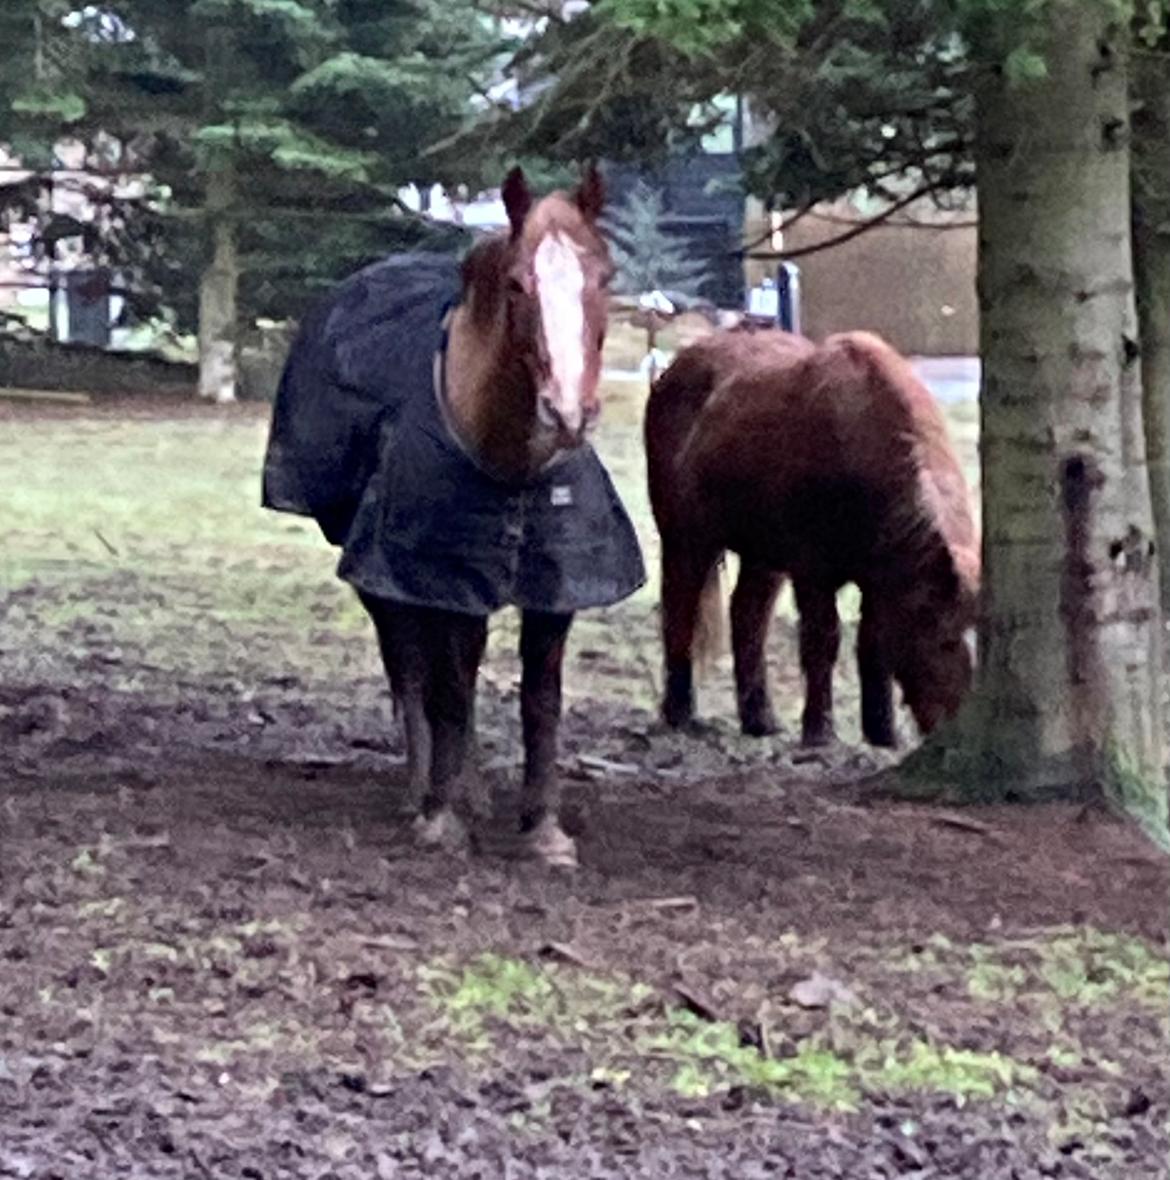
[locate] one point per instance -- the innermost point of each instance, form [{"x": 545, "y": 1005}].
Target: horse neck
[{"x": 492, "y": 398}]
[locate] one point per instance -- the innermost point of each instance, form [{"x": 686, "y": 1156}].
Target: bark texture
[
  {"x": 218, "y": 294},
  {"x": 1067, "y": 699},
  {"x": 1150, "y": 82}
]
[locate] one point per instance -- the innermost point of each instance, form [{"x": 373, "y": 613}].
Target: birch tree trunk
[
  {"x": 1150, "y": 85},
  {"x": 217, "y": 293},
  {"x": 1067, "y": 698}
]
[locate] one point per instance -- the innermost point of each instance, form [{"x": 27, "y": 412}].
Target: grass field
[{"x": 172, "y": 502}]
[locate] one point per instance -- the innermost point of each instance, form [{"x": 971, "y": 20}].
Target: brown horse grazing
[
  {"x": 830, "y": 464},
  {"x": 484, "y": 491}
]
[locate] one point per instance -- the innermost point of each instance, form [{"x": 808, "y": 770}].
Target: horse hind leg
[
  {"x": 542, "y": 654},
  {"x": 686, "y": 572},
  {"x": 752, "y": 604},
  {"x": 820, "y": 640}
]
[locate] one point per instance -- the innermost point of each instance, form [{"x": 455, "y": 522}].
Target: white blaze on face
[{"x": 560, "y": 286}]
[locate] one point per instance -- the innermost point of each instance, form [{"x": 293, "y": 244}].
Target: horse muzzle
[{"x": 570, "y": 428}]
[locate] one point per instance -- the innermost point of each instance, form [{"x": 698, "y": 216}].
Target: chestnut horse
[
  {"x": 522, "y": 371},
  {"x": 470, "y": 484},
  {"x": 830, "y": 464}
]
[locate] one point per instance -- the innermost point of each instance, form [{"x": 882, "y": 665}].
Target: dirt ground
[{"x": 220, "y": 955}]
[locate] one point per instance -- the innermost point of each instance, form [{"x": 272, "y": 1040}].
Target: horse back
[
  {"x": 678, "y": 407},
  {"x": 800, "y": 452},
  {"x": 916, "y": 438}
]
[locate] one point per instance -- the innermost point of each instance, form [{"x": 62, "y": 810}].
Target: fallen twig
[
  {"x": 686, "y": 901},
  {"x": 695, "y": 1004},
  {"x": 562, "y": 952},
  {"x": 606, "y": 766},
  {"x": 951, "y": 819},
  {"x": 389, "y": 942}
]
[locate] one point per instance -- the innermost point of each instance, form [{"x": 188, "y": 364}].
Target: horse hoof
[
  {"x": 676, "y": 716},
  {"x": 442, "y": 831},
  {"x": 882, "y": 741},
  {"x": 549, "y": 843},
  {"x": 765, "y": 725},
  {"x": 816, "y": 739}
]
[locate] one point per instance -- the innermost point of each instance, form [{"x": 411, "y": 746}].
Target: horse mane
[
  {"x": 484, "y": 268},
  {"x": 941, "y": 510}
]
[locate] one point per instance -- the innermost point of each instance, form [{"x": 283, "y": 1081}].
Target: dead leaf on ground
[{"x": 820, "y": 991}]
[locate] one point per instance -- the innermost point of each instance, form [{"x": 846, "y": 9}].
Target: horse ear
[
  {"x": 591, "y": 194},
  {"x": 517, "y": 199}
]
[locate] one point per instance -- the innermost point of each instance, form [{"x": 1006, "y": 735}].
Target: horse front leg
[
  {"x": 542, "y": 654},
  {"x": 820, "y": 640},
  {"x": 454, "y": 647},
  {"x": 402, "y": 647},
  {"x": 685, "y": 569},
  {"x": 752, "y": 603},
  {"x": 877, "y": 696}
]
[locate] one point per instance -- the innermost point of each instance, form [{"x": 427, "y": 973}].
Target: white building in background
[{"x": 34, "y": 286}]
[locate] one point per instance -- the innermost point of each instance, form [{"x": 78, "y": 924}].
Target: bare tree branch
[{"x": 840, "y": 239}]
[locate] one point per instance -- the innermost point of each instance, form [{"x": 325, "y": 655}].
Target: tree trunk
[
  {"x": 217, "y": 293},
  {"x": 1067, "y": 699},
  {"x": 1150, "y": 81}
]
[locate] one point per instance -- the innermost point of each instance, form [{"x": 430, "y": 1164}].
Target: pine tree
[
  {"x": 277, "y": 133},
  {"x": 647, "y": 256},
  {"x": 1031, "y": 101}
]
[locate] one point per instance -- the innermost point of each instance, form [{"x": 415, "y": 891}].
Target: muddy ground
[{"x": 220, "y": 955}]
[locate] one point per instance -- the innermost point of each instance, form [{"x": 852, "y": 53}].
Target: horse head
[
  {"x": 552, "y": 271},
  {"x": 934, "y": 649}
]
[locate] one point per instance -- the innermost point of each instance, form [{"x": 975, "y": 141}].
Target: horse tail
[{"x": 710, "y": 639}]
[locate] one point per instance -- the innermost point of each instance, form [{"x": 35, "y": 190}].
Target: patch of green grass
[
  {"x": 630, "y": 1039},
  {"x": 927, "y": 1068},
  {"x": 1086, "y": 967},
  {"x": 1081, "y": 966},
  {"x": 1093, "y": 967},
  {"x": 567, "y": 1003},
  {"x": 711, "y": 1057},
  {"x": 493, "y": 985}
]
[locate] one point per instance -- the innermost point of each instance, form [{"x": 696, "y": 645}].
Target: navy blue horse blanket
[{"x": 359, "y": 442}]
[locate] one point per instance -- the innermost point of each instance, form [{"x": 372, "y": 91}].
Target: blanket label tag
[{"x": 561, "y": 495}]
